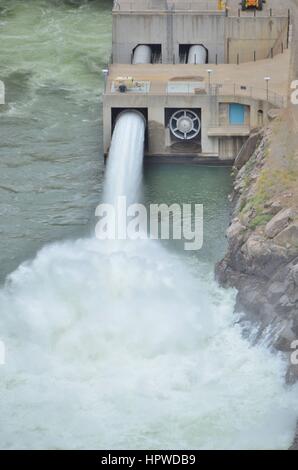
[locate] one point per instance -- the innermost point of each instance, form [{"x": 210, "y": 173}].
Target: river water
[{"x": 129, "y": 348}]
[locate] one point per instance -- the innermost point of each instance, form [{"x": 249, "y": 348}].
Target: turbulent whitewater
[
  {"x": 118, "y": 345},
  {"x": 126, "y": 349}
]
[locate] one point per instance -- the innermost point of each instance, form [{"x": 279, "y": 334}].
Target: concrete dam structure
[{"x": 202, "y": 73}]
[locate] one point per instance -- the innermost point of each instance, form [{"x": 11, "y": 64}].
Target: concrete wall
[
  {"x": 169, "y": 30},
  {"x": 201, "y": 29},
  {"x": 244, "y": 36},
  {"x": 213, "y": 113},
  {"x": 131, "y": 30},
  {"x": 226, "y": 38},
  {"x": 253, "y": 108},
  {"x": 229, "y": 147},
  {"x": 158, "y": 135}
]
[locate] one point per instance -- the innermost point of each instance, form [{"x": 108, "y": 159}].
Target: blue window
[{"x": 236, "y": 114}]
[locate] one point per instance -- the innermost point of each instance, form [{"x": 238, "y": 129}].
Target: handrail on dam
[
  {"x": 238, "y": 90},
  {"x": 163, "y": 5},
  {"x": 202, "y": 6},
  {"x": 234, "y": 90}
]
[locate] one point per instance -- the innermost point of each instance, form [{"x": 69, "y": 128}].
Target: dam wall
[
  {"x": 254, "y": 38},
  {"x": 227, "y": 38},
  {"x": 217, "y": 137},
  {"x": 203, "y": 106}
]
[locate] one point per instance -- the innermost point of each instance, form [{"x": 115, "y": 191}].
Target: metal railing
[
  {"x": 245, "y": 91},
  {"x": 277, "y": 12},
  {"x": 234, "y": 90},
  {"x": 281, "y": 43},
  {"x": 134, "y": 6},
  {"x": 166, "y": 5}
]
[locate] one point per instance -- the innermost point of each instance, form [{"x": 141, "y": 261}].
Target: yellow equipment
[
  {"x": 123, "y": 84},
  {"x": 246, "y": 4}
]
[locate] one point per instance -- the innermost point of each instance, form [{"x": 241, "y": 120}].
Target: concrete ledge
[{"x": 229, "y": 131}]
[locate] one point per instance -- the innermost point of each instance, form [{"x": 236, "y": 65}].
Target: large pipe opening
[
  {"x": 131, "y": 111},
  {"x": 147, "y": 54},
  {"x": 143, "y": 112},
  {"x": 193, "y": 54},
  {"x": 142, "y": 55},
  {"x": 197, "y": 54}
]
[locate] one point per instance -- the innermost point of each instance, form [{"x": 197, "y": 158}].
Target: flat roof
[{"x": 249, "y": 77}]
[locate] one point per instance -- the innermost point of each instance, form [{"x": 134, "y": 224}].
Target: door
[
  {"x": 260, "y": 118},
  {"x": 236, "y": 114}
]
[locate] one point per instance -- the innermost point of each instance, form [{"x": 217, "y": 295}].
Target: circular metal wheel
[{"x": 185, "y": 124}]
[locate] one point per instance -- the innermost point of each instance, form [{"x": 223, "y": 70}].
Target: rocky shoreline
[{"x": 262, "y": 257}]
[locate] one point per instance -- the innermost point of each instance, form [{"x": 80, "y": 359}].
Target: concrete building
[{"x": 202, "y": 76}]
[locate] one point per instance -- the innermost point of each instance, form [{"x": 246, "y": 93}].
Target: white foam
[{"x": 125, "y": 348}]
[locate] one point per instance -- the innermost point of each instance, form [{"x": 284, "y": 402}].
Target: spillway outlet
[
  {"x": 116, "y": 113},
  {"x": 133, "y": 110}
]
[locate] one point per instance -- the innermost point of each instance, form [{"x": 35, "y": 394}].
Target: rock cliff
[{"x": 262, "y": 257}]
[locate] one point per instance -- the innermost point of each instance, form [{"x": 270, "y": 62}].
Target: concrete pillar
[
  {"x": 170, "y": 36},
  {"x": 107, "y": 126},
  {"x": 156, "y": 129}
]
